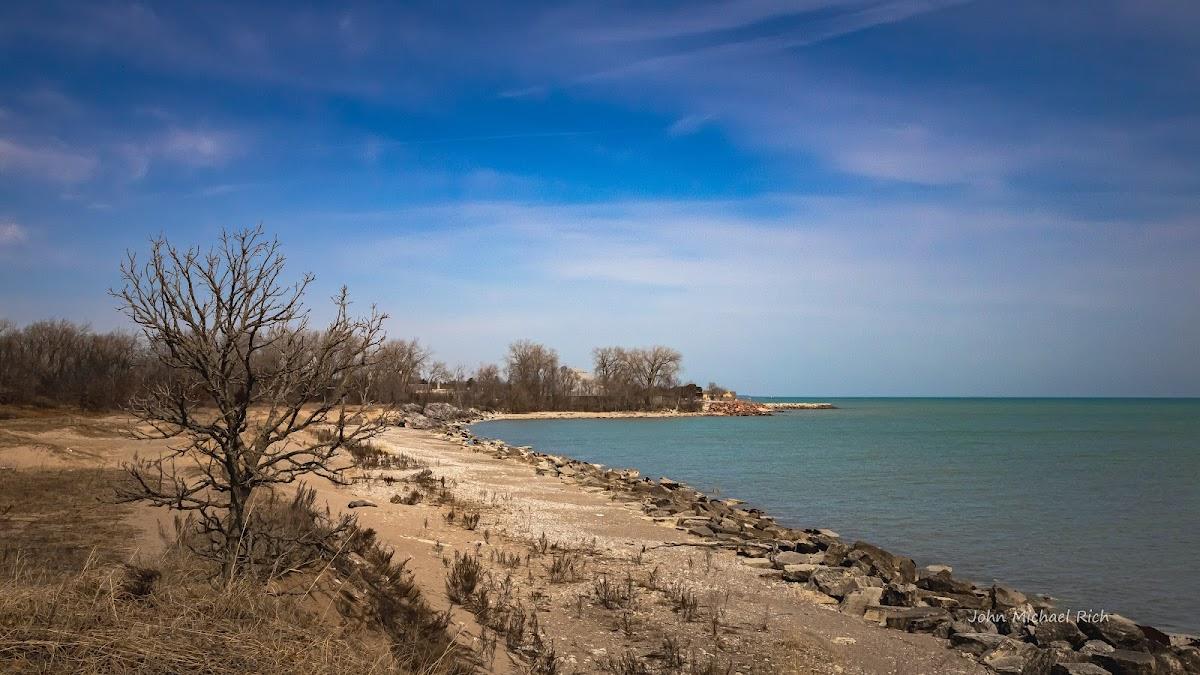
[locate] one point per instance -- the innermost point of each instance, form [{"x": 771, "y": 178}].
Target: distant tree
[
  {"x": 715, "y": 390},
  {"x": 655, "y": 368},
  {"x": 250, "y": 376},
  {"x": 400, "y": 365},
  {"x": 531, "y": 369}
]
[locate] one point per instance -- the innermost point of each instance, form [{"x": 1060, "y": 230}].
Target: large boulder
[
  {"x": 835, "y": 582},
  {"x": 877, "y": 562},
  {"x": 976, "y": 643},
  {"x": 1078, "y": 669},
  {"x": 912, "y": 619},
  {"x": 942, "y": 582},
  {"x": 1051, "y": 631},
  {"x": 1114, "y": 629},
  {"x": 856, "y": 602},
  {"x": 1128, "y": 662},
  {"x": 901, "y": 595},
  {"x": 1012, "y": 656},
  {"x": 782, "y": 560},
  {"x": 442, "y": 412}
]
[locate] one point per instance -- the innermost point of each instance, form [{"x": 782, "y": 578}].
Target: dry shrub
[
  {"x": 108, "y": 619},
  {"x": 464, "y": 575}
]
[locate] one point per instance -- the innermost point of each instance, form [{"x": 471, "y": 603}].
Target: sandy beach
[{"x": 763, "y": 625}]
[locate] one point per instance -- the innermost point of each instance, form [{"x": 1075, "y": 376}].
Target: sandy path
[{"x": 518, "y": 506}]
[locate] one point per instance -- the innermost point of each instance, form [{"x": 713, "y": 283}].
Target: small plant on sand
[
  {"x": 684, "y": 601},
  {"x": 671, "y": 654},
  {"x": 612, "y": 595},
  {"x": 463, "y": 577},
  {"x": 566, "y": 568},
  {"x": 628, "y": 663},
  {"x": 470, "y": 520}
]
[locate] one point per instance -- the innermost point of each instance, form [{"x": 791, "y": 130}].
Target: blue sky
[{"x": 825, "y": 197}]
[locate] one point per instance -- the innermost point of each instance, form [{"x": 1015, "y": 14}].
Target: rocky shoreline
[{"x": 1004, "y": 629}]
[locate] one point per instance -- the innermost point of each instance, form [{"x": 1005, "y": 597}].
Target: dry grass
[
  {"x": 69, "y": 602},
  {"x": 109, "y": 619},
  {"x": 58, "y": 518}
]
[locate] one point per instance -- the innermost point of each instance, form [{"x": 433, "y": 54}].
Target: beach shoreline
[{"x": 928, "y": 600}]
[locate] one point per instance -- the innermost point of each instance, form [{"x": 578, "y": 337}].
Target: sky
[{"x": 814, "y": 197}]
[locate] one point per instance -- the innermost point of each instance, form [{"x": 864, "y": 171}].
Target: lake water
[{"x": 1093, "y": 501}]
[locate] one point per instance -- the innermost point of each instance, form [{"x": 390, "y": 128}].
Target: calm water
[{"x": 1096, "y": 502}]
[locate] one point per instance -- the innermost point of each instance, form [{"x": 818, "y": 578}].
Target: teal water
[{"x": 1093, "y": 501}]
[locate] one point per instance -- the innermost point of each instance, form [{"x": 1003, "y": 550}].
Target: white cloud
[
  {"x": 49, "y": 162},
  {"x": 11, "y": 233}
]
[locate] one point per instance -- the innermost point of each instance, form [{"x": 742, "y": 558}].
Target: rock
[
  {"x": 878, "y": 562},
  {"x": 901, "y": 595},
  {"x": 976, "y": 643},
  {"x": 835, "y": 555},
  {"x": 1003, "y": 597},
  {"x": 1012, "y": 656},
  {"x": 1127, "y": 662},
  {"x": 668, "y": 483},
  {"x": 938, "y": 569},
  {"x": 700, "y": 531},
  {"x": 782, "y": 560},
  {"x": 360, "y": 503},
  {"x": 1116, "y": 630},
  {"x": 942, "y": 601},
  {"x": 757, "y": 563},
  {"x": 800, "y": 572},
  {"x": 1167, "y": 663},
  {"x": 1078, "y": 669},
  {"x": 856, "y": 602},
  {"x": 942, "y": 582},
  {"x": 418, "y": 421},
  {"x": 833, "y": 581},
  {"x": 1093, "y": 647},
  {"x": 442, "y": 412},
  {"x": 1049, "y": 631},
  {"x": 906, "y": 618},
  {"x": 1189, "y": 657}
]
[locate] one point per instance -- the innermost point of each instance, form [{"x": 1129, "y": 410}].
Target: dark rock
[
  {"x": 1002, "y": 597},
  {"x": 1116, "y": 630},
  {"x": 976, "y": 643},
  {"x": 1189, "y": 657},
  {"x": 700, "y": 531},
  {"x": 1061, "y": 668},
  {"x": 1093, "y": 647},
  {"x": 1168, "y": 664},
  {"x": 880, "y": 563},
  {"x": 360, "y": 503},
  {"x": 1127, "y": 662},
  {"x": 835, "y": 555},
  {"x": 907, "y": 618},
  {"x": 1155, "y": 636},
  {"x": 901, "y": 595},
  {"x": 942, "y": 582},
  {"x": 1049, "y": 631},
  {"x": 668, "y": 483}
]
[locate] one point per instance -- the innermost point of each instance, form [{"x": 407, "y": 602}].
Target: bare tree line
[{"x": 64, "y": 363}]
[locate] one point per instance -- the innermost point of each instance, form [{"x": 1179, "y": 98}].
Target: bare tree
[
  {"x": 250, "y": 377},
  {"x": 531, "y": 370},
  {"x": 655, "y": 367}
]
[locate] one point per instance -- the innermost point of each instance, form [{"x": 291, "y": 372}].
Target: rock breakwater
[{"x": 1005, "y": 629}]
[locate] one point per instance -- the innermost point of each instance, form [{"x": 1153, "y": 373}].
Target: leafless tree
[
  {"x": 400, "y": 365},
  {"x": 656, "y": 367},
  {"x": 532, "y": 369},
  {"x": 250, "y": 377}
]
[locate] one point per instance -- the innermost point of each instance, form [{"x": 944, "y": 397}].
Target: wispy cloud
[
  {"x": 52, "y": 162},
  {"x": 11, "y": 233}
]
